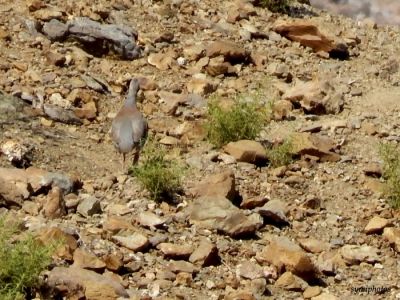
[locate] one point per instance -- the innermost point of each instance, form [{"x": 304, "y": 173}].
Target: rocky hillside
[{"x": 317, "y": 228}]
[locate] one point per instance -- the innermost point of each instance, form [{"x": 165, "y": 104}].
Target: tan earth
[{"x": 319, "y": 228}]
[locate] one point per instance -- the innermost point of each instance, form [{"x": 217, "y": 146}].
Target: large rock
[
  {"x": 86, "y": 260},
  {"x": 66, "y": 243},
  {"x": 309, "y": 35},
  {"x": 354, "y": 254},
  {"x": 291, "y": 282},
  {"x": 217, "y": 185},
  {"x": 78, "y": 283},
  {"x": 220, "y": 214},
  {"x": 35, "y": 180},
  {"x": 135, "y": 242},
  {"x": 317, "y": 97},
  {"x": 205, "y": 255},
  {"x": 376, "y": 225},
  {"x": 288, "y": 256},
  {"x": 274, "y": 211},
  {"x": 305, "y": 143},
  {"x": 247, "y": 151},
  {"x": 54, "y": 206},
  {"x": 175, "y": 251},
  {"x": 392, "y": 235}
]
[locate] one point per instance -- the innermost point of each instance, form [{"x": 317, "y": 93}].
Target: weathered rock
[
  {"x": 249, "y": 270},
  {"x": 89, "y": 206},
  {"x": 118, "y": 38},
  {"x": 317, "y": 97},
  {"x": 392, "y": 235},
  {"x": 229, "y": 50},
  {"x": 205, "y": 255},
  {"x": 281, "y": 109},
  {"x": 54, "y": 58},
  {"x": 162, "y": 61},
  {"x": 376, "y": 225},
  {"x": 54, "y": 206},
  {"x": 116, "y": 224},
  {"x": 135, "y": 242},
  {"x": 253, "y": 202},
  {"x": 240, "y": 295},
  {"x": 291, "y": 282},
  {"x": 325, "y": 296},
  {"x": 75, "y": 283},
  {"x": 175, "y": 251},
  {"x": 148, "y": 219},
  {"x": 354, "y": 254},
  {"x": 54, "y": 235},
  {"x": 309, "y": 35},
  {"x": 217, "y": 185},
  {"x": 274, "y": 211},
  {"x": 87, "y": 111},
  {"x": 313, "y": 245},
  {"x": 287, "y": 256},
  {"x": 60, "y": 114},
  {"x": 177, "y": 266},
  {"x": 220, "y": 214},
  {"x": 86, "y": 260},
  {"x": 305, "y": 143},
  {"x": 113, "y": 262},
  {"x": 247, "y": 151},
  {"x": 13, "y": 193}
]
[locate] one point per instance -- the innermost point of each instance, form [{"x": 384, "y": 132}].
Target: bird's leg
[
  {"x": 123, "y": 163},
  {"x": 136, "y": 158}
]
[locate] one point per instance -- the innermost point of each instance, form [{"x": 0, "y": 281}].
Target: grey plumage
[{"x": 129, "y": 127}]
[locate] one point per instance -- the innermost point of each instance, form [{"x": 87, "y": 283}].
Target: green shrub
[
  {"x": 281, "y": 155},
  {"x": 244, "y": 120},
  {"x": 21, "y": 262},
  {"x": 390, "y": 155},
  {"x": 159, "y": 175},
  {"x": 276, "y": 6}
]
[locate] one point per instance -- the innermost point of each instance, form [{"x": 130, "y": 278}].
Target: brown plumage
[{"x": 129, "y": 127}]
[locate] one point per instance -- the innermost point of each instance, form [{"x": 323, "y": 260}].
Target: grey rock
[{"x": 89, "y": 206}]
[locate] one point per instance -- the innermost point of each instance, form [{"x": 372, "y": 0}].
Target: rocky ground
[{"x": 319, "y": 228}]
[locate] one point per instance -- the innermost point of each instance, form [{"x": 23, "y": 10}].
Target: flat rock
[
  {"x": 354, "y": 254},
  {"x": 86, "y": 260},
  {"x": 220, "y": 214},
  {"x": 135, "y": 242},
  {"x": 77, "y": 282},
  {"x": 275, "y": 211},
  {"x": 247, "y": 151},
  {"x": 376, "y": 225},
  {"x": 291, "y": 282},
  {"x": 311, "y": 291},
  {"x": 177, "y": 266},
  {"x": 175, "y": 251},
  {"x": 115, "y": 224},
  {"x": 288, "y": 256},
  {"x": 325, "y": 296},
  {"x": 253, "y": 202},
  {"x": 201, "y": 86},
  {"x": 392, "y": 235},
  {"x": 373, "y": 169},
  {"x": 217, "y": 185},
  {"x": 313, "y": 245},
  {"x": 330, "y": 262},
  {"x": 309, "y": 35},
  {"x": 149, "y": 219},
  {"x": 305, "y": 143}
]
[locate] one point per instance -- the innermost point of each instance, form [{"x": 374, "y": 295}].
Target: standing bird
[{"x": 129, "y": 127}]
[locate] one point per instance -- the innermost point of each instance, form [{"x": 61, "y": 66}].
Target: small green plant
[
  {"x": 243, "y": 120},
  {"x": 276, "y": 6},
  {"x": 21, "y": 262},
  {"x": 390, "y": 155},
  {"x": 159, "y": 175},
  {"x": 281, "y": 155}
]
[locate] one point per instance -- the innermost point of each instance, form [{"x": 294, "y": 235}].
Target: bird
[{"x": 129, "y": 128}]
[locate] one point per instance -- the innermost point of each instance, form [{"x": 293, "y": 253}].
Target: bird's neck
[{"x": 130, "y": 101}]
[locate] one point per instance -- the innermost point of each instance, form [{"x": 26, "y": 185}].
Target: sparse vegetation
[
  {"x": 21, "y": 262},
  {"x": 159, "y": 175},
  {"x": 281, "y": 155},
  {"x": 390, "y": 155},
  {"x": 277, "y": 6},
  {"x": 243, "y": 120}
]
